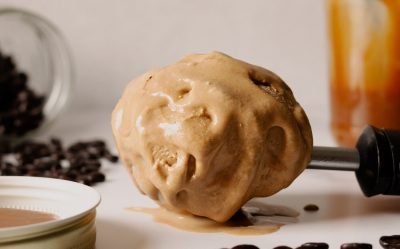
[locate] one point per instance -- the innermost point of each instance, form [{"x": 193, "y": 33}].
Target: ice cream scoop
[
  {"x": 375, "y": 160},
  {"x": 210, "y": 132}
]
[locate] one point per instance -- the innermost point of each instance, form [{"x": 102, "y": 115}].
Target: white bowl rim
[{"x": 9, "y": 233}]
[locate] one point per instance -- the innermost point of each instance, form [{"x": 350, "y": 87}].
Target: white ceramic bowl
[{"x": 73, "y": 203}]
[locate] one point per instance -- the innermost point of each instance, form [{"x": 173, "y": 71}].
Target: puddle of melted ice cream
[{"x": 254, "y": 218}]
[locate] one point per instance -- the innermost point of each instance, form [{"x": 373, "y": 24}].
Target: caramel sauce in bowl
[
  {"x": 38, "y": 212},
  {"x": 12, "y": 217}
]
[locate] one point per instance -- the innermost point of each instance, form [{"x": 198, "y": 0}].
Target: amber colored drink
[{"x": 365, "y": 66}]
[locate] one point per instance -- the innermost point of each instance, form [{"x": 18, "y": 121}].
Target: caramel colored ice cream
[{"x": 208, "y": 133}]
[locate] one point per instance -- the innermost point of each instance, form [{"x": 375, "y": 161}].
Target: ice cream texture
[{"x": 210, "y": 132}]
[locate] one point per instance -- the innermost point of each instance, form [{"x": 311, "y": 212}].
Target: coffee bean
[
  {"x": 85, "y": 180},
  {"x": 50, "y": 174},
  {"x": 23, "y": 170},
  {"x": 65, "y": 177},
  {"x": 22, "y": 78},
  {"x": 10, "y": 171},
  {"x": 93, "y": 163},
  {"x": 77, "y": 147},
  {"x": 311, "y": 208},
  {"x": 88, "y": 169},
  {"x": 390, "y": 242},
  {"x": 314, "y": 245},
  {"x": 110, "y": 157},
  {"x": 81, "y": 163},
  {"x": 43, "y": 164},
  {"x": 356, "y": 246},
  {"x": 34, "y": 173},
  {"x": 56, "y": 145},
  {"x": 97, "y": 177},
  {"x": 73, "y": 174},
  {"x": 5, "y": 147},
  {"x": 6, "y": 64},
  {"x": 93, "y": 154},
  {"x": 245, "y": 247},
  {"x": 282, "y": 247},
  {"x": 76, "y": 162}
]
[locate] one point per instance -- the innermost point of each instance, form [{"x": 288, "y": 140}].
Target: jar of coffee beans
[{"x": 35, "y": 74}]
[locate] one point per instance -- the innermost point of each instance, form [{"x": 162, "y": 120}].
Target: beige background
[{"x": 115, "y": 41}]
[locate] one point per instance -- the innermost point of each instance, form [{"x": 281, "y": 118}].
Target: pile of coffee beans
[
  {"x": 387, "y": 242},
  {"x": 80, "y": 162},
  {"x": 21, "y": 109}
]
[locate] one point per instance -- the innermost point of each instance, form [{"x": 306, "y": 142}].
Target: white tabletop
[
  {"x": 345, "y": 215},
  {"x": 113, "y": 43}
]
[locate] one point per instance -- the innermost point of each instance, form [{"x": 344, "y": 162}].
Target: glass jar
[
  {"x": 39, "y": 50},
  {"x": 365, "y": 66}
]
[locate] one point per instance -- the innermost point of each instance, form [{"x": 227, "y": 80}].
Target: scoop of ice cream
[{"x": 210, "y": 132}]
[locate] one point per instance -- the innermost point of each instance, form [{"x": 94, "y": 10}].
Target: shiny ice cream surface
[{"x": 210, "y": 132}]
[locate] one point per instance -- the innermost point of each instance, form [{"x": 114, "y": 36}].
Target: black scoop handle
[{"x": 379, "y": 155}]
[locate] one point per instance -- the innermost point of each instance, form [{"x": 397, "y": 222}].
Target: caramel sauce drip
[{"x": 365, "y": 67}]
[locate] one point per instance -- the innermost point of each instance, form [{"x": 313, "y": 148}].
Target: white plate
[{"x": 68, "y": 200}]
